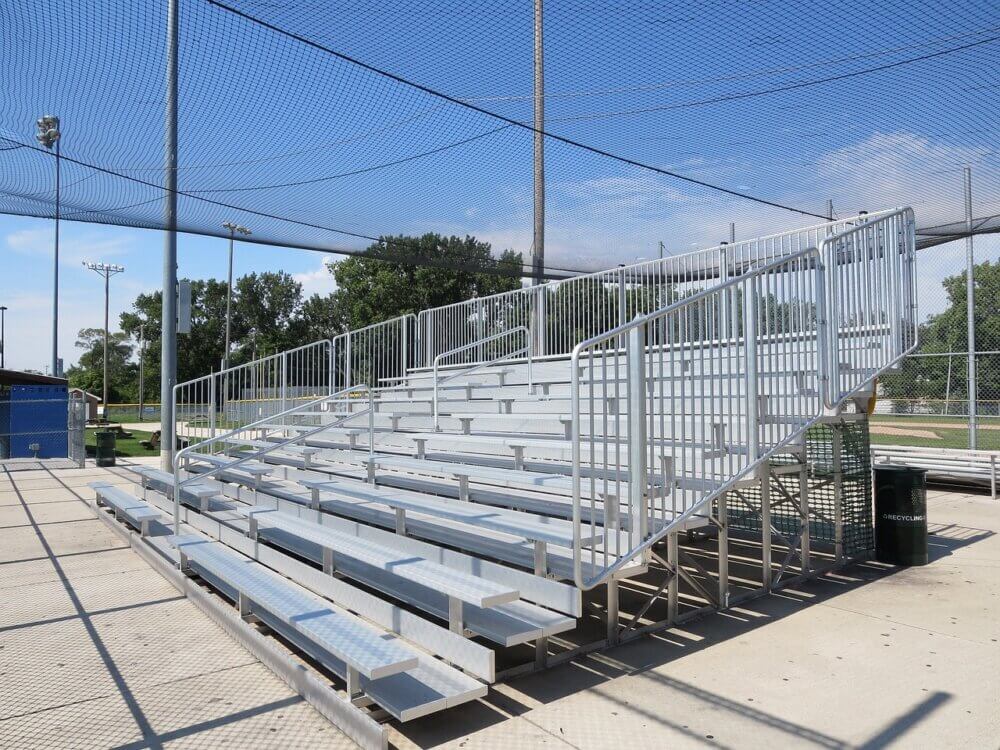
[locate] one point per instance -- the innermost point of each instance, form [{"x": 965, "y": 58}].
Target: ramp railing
[
  {"x": 256, "y": 390},
  {"x": 677, "y": 406},
  {"x": 503, "y": 347},
  {"x": 257, "y": 439}
]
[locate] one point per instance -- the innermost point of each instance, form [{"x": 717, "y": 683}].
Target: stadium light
[
  {"x": 107, "y": 270},
  {"x": 49, "y": 135}
]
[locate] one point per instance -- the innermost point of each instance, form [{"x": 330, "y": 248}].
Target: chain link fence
[{"x": 928, "y": 404}]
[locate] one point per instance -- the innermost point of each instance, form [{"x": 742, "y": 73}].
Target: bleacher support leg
[
  {"x": 723, "y": 546},
  {"x": 674, "y": 560},
  {"x": 804, "y": 510},
  {"x": 612, "y": 622},
  {"x": 456, "y": 622},
  {"x": 765, "y": 529}
]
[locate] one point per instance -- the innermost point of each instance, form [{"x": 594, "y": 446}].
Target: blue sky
[{"x": 783, "y": 100}]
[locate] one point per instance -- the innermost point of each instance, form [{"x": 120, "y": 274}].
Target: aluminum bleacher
[{"x": 496, "y": 471}]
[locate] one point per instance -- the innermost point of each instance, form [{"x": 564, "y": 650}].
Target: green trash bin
[
  {"x": 901, "y": 515},
  {"x": 105, "y": 447}
]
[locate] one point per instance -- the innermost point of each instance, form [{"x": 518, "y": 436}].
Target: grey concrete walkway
[
  {"x": 873, "y": 658},
  {"x": 98, "y": 651}
]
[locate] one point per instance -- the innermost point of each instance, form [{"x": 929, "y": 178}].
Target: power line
[{"x": 503, "y": 118}]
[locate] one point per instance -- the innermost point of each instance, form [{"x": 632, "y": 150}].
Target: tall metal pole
[
  {"x": 55, "y": 282},
  {"x": 168, "y": 338},
  {"x": 829, "y": 209},
  {"x": 229, "y": 297},
  {"x": 142, "y": 378},
  {"x": 107, "y": 271},
  {"x": 538, "y": 235},
  {"x": 970, "y": 307},
  {"x": 732, "y": 233},
  {"x": 3, "y": 337},
  {"x": 104, "y": 380}
]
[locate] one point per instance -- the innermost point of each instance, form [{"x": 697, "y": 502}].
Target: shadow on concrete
[{"x": 944, "y": 538}]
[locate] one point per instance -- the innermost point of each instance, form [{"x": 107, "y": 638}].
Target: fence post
[
  {"x": 635, "y": 364},
  {"x": 750, "y": 333},
  {"x": 622, "y": 299},
  {"x": 538, "y": 320},
  {"x": 480, "y": 331},
  {"x": 211, "y": 406},
  {"x": 284, "y": 381},
  {"x": 825, "y": 385},
  {"x": 404, "y": 350}
]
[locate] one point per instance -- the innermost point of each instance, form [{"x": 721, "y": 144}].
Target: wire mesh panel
[{"x": 855, "y": 513}]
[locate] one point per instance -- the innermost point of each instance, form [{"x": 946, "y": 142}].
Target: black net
[
  {"x": 856, "y": 506},
  {"x": 326, "y": 125}
]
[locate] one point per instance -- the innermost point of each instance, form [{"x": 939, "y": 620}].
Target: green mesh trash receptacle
[
  {"x": 105, "y": 452},
  {"x": 901, "y": 515}
]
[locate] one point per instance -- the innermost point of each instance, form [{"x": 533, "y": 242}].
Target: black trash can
[
  {"x": 105, "y": 452},
  {"x": 901, "y": 515}
]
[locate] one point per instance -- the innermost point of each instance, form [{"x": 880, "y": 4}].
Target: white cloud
[{"x": 319, "y": 280}]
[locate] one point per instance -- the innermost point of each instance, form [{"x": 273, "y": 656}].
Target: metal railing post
[
  {"x": 635, "y": 365},
  {"x": 622, "y": 299},
  {"x": 211, "y": 406},
  {"x": 284, "y": 381},
  {"x": 750, "y": 332}
]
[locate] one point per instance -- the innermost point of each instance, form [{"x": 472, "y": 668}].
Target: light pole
[
  {"x": 142, "y": 380},
  {"x": 107, "y": 270},
  {"x": 233, "y": 229},
  {"x": 49, "y": 135},
  {"x": 3, "y": 339}
]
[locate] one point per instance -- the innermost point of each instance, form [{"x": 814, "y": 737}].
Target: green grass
[
  {"x": 947, "y": 437},
  {"x": 124, "y": 447}
]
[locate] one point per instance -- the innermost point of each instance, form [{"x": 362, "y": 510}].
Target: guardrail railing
[
  {"x": 872, "y": 299},
  {"x": 677, "y": 406},
  {"x": 271, "y": 429},
  {"x": 501, "y": 350},
  {"x": 374, "y": 353},
  {"x": 563, "y": 313},
  {"x": 245, "y": 393}
]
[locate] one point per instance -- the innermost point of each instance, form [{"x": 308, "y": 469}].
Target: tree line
[{"x": 270, "y": 313}]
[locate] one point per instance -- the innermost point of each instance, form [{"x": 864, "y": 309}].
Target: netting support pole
[
  {"x": 168, "y": 338},
  {"x": 970, "y": 306},
  {"x": 538, "y": 235},
  {"x": 804, "y": 512}
]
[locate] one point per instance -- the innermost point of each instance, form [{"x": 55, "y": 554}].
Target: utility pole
[
  {"x": 49, "y": 135},
  {"x": 661, "y": 249},
  {"x": 233, "y": 229},
  {"x": 970, "y": 307},
  {"x": 829, "y": 209},
  {"x": 732, "y": 233},
  {"x": 142, "y": 379},
  {"x": 107, "y": 271},
  {"x": 168, "y": 338},
  {"x": 538, "y": 235},
  {"x": 3, "y": 338}
]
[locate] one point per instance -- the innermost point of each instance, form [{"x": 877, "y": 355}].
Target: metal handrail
[
  {"x": 516, "y": 353},
  {"x": 619, "y": 331},
  {"x": 187, "y": 453}
]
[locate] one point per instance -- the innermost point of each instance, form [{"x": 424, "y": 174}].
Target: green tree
[
  {"x": 927, "y": 377},
  {"x": 88, "y": 373},
  {"x": 386, "y": 282}
]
